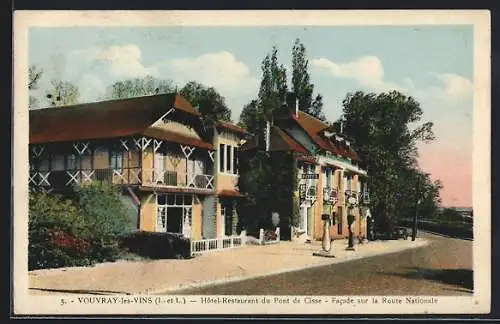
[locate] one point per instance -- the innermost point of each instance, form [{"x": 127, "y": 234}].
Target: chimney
[
  {"x": 296, "y": 107},
  {"x": 341, "y": 127},
  {"x": 268, "y": 135}
]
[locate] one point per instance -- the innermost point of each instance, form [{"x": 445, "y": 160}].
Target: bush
[
  {"x": 101, "y": 205},
  {"x": 77, "y": 232},
  {"x": 57, "y": 233},
  {"x": 156, "y": 245}
]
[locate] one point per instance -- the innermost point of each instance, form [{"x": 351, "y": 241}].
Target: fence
[
  {"x": 217, "y": 244},
  {"x": 235, "y": 241}
]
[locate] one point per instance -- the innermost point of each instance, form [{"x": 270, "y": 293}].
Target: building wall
[
  {"x": 196, "y": 219},
  {"x": 147, "y": 218},
  {"x": 224, "y": 181}
]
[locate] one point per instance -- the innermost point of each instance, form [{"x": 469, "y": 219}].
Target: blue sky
[{"x": 432, "y": 63}]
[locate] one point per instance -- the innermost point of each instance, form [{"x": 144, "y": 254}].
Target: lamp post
[
  {"x": 350, "y": 242},
  {"x": 326, "y": 244}
]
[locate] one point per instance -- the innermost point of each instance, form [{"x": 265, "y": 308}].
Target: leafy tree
[
  {"x": 211, "y": 104},
  {"x": 301, "y": 84},
  {"x": 272, "y": 93},
  {"x": 34, "y": 76},
  {"x": 249, "y": 117},
  {"x": 63, "y": 93},
  {"x": 386, "y": 128},
  {"x": 137, "y": 87}
]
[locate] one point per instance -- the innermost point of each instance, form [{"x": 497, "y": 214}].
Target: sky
[{"x": 433, "y": 64}]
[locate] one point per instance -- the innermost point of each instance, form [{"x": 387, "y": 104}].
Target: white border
[{"x": 479, "y": 303}]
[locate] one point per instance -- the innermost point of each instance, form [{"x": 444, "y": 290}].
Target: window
[
  {"x": 222, "y": 160},
  {"x": 229, "y": 160},
  {"x": 235, "y": 160},
  {"x": 116, "y": 160},
  {"x": 71, "y": 162},
  {"x": 328, "y": 177}
]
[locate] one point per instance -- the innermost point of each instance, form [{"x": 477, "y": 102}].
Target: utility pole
[{"x": 415, "y": 216}]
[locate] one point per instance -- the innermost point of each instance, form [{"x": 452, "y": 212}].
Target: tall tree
[
  {"x": 62, "y": 93},
  {"x": 249, "y": 117},
  {"x": 137, "y": 87},
  {"x": 272, "y": 92},
  {"x": 34, "y": 76},
  {"x": 383, "y": 127},
  {"x": 211, "y": 104},
  {"x": 301, "y": 83}
]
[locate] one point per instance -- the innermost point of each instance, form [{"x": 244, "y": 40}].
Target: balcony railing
[{"x": 122, "y": 176}]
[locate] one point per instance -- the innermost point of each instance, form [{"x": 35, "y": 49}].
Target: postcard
[{"x": 251, "y": 162}]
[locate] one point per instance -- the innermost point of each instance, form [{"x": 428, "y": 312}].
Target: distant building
[{"x": 341, "y": 186}]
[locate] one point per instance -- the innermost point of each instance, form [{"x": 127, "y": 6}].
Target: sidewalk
[{"x": 163, "y": 276}]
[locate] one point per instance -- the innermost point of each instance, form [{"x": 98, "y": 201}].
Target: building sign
[
  {"x": 333, "y": 196},
  {"x": 302, "y": 191},
  {"x": 310, "y": 176}
]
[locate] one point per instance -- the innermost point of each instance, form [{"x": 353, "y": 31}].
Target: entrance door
[
  {"x": 308, "y": 223},
  {"x": 174, "y": 219},
  {"x": 303, "y": 218}
]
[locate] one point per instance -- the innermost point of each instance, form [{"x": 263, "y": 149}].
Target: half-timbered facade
[{"x": 155, "y": 148}]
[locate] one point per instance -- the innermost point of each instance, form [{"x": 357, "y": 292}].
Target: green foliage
[
  {"x": 102, "y": 207},
  {"x": 137, "y": 87},
  {"x": 211, "y": 104},
  {"x": 386, "y": 130},
  {"x": 270, "y": 181},
  {"x": 249, "y": 118},
  {"x": 62, "y": 93},
  {"x": 51, "y": 220},
  {"x": 78, "y": 231},
  {"x": 450, "y": 215},
  {"x": 301, "y": 84}
]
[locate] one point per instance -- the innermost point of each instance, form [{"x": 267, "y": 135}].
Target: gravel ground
[{"x": 444, "y": 267}]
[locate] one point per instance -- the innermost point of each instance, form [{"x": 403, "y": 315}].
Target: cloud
[
  {"x": 366, "y": 70},
  {"x": 453, "y": 87},
  {"x": 220, "y": 70}
]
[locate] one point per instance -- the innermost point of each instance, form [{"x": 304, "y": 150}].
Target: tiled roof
[
  {"x": 105, "y": 119},
  {"x": 314, "y": 127},
  {"x": 278, "y": 137},
  {"x": 231, "y": 126}
]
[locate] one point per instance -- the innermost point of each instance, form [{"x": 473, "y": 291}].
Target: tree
[
  {"x": 301, "y": 84},
  {"x": 380, "y": 126},
  {"x": 272, "y": 94},
  {"x": 63, "y": 93},
  {"x": 249, "y": 117},
  {"x": 34, "y": 76},
  {"x": 137, "y": 87},
  {"x": 211, "y": 104}
]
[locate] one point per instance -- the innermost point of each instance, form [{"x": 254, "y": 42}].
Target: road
[{"x": 444, "y": 267}]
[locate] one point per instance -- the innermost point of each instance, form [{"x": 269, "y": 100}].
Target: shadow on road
[
  {"x": 80, "y": 291},
  {"x": 457, "y": 277}
]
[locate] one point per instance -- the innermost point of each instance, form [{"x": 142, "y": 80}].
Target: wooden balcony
[{"x": 123, "y": 176}]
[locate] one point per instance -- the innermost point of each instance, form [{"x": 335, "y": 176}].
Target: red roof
[
  {"x": 231, "y": 126},
  {"x": 105, "y": 119},
  {"x": 278, "y": 135},
  {"x": 314, "y": 127}
]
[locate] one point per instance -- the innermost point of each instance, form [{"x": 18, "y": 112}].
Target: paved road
[{"x": 444, "y": 267}]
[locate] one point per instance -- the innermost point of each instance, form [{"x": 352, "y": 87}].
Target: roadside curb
[{"x": 419, "y": 244}]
